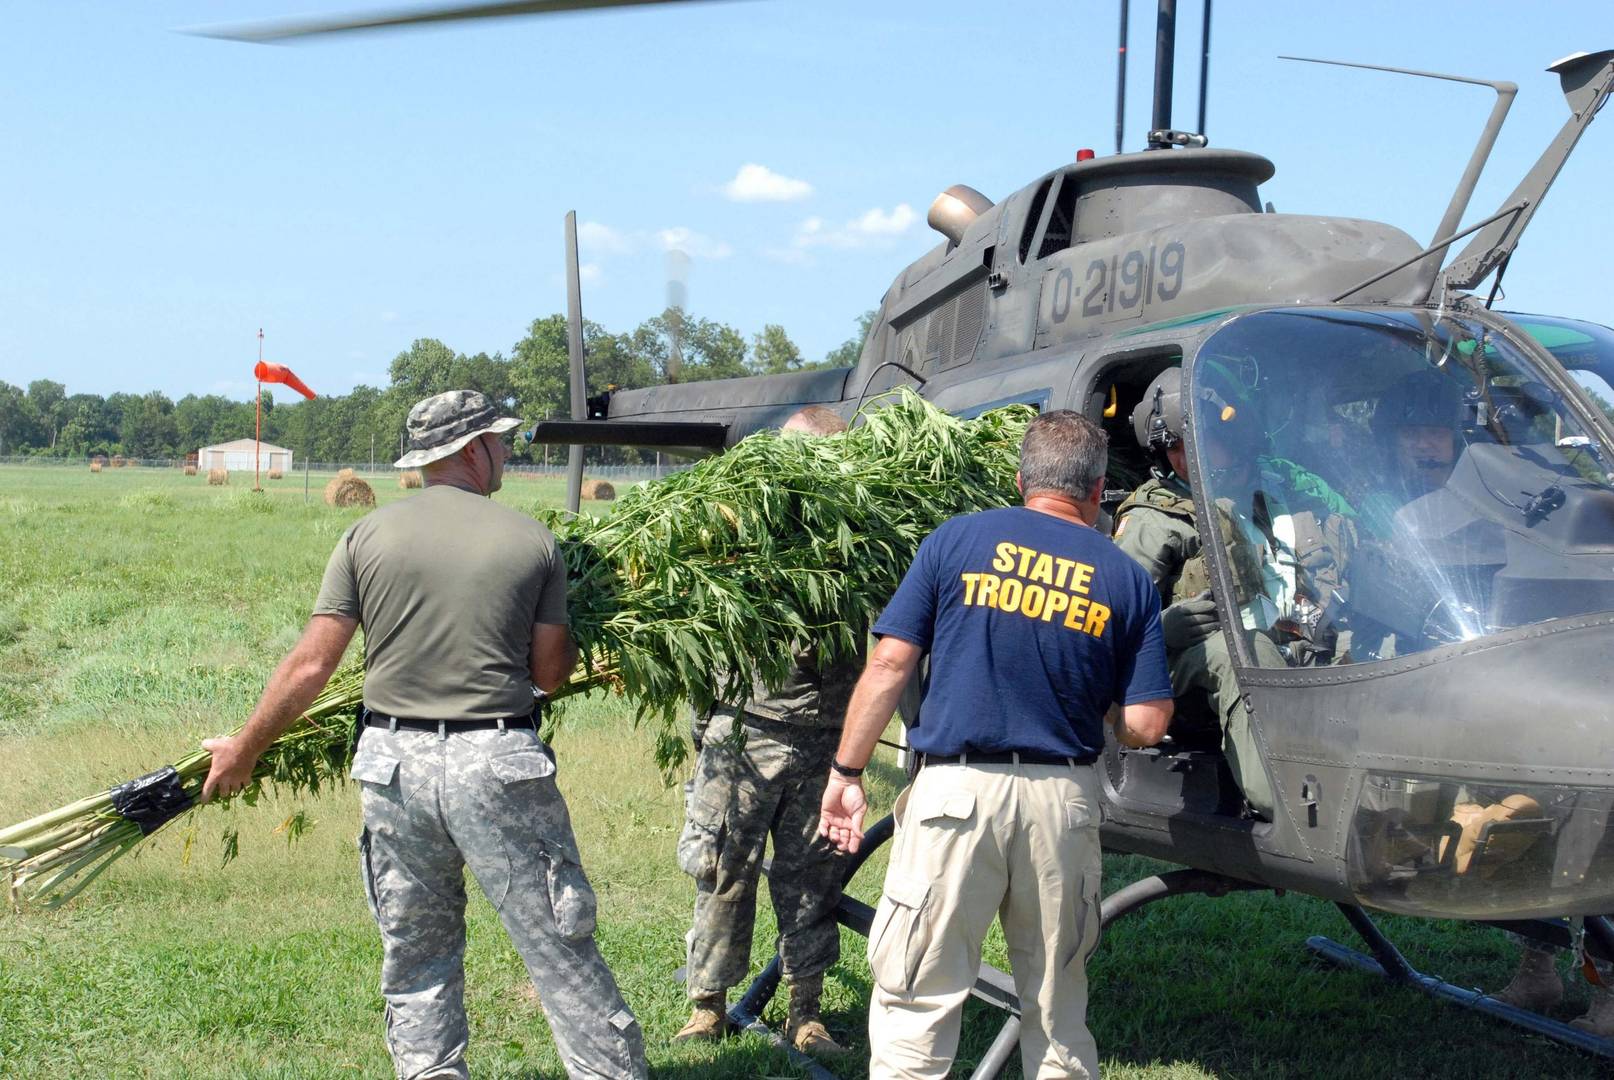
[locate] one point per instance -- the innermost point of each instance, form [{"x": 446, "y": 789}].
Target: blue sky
[{"x": 166, "y": 195}]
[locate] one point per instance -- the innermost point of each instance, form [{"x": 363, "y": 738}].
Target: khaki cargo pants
[
  {"x": 1016, "y": 841},
  {"x": 484, "y": 799}
]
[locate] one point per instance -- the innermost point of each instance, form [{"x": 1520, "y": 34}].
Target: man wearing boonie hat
[{"x": 463, "y": 604}]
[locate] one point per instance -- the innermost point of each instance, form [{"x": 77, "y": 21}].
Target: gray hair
[
  {"x": 1063, "y": 452},
  {"x": 815, "y": 420}
]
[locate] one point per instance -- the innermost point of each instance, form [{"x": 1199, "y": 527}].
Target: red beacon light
[{"x": 1084, "y": 154}]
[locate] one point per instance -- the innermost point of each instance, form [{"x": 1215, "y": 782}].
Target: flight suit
[{"x": 1155, "y": 526}]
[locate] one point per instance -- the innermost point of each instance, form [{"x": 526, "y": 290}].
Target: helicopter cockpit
[
  {"x": 1421, "y": 503},
  {"x": 1407, "y": 482}
]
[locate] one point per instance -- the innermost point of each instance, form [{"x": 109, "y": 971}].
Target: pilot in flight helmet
[
  {"x": 1157, "y": 420},
  {"x": 1420, "y": 399},
  {"x": 1220, "y": 397}
]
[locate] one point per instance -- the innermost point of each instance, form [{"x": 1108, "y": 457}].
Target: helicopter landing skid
[
  {"x": 992, "y": 986},
  {"x": 1388, "y": 963}
]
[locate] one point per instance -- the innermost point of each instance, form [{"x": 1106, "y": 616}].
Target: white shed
[{"x": 237, "y": 457}]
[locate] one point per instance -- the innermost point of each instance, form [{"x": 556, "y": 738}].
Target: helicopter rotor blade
[
  {"x": 574, "y": 353},
  {"x": 276, "y": 30}
]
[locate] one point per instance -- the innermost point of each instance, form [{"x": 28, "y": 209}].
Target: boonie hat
[{"x": 443, "y": 423}]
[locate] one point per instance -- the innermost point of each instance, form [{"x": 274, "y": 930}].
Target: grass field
[{"x": 141, "y": 612}]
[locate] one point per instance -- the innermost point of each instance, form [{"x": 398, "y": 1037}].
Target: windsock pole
[{"x": 257, "y": 418}]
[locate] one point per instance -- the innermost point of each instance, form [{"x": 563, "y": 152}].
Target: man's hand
[
  {"x": 231, "y": 770},
  {"x": 1188, "y": 622},
  {"x": 840, "y": 818}
]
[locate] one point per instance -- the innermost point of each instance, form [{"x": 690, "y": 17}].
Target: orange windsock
[{"x": 280, "y": 373}]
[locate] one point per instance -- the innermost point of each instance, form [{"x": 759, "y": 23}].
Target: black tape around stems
[{"x": 153, "y": 800}]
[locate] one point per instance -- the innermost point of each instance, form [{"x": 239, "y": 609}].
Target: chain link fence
[{"x": 622, "y": 473}]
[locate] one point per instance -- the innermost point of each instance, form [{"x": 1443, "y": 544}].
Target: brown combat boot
[
  {"x": 1536, "y": 986},
  {"x": 804, "y": 1029},
  {"x": 1599, "y": 1018},
  {"x": 708, "y": 1021}
]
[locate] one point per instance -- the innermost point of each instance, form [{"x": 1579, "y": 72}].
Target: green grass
[{"x": 142, "y": 611}]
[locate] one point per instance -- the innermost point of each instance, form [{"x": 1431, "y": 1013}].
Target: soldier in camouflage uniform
[
  {"x": 761, "y": 771},
  {"x": 463, "y": 603},
  {"x": 1155, "y": 525}
]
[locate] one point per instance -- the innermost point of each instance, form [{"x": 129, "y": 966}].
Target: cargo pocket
[
  {"x": 370, "y": 767},
  {"x": 1079, "y": 818},
  {"x": 701, "y": 842},
  {"x": 571, "y": 898},
  {"x": 1090, "y": 918},
  {"x": 900, "y": 935},
  {"x": 529, "y": 763}
]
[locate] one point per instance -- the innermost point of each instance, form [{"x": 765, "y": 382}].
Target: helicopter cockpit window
[
  {"x": 1061, "y": 222},
  {"x": 1388, "y": 483},
  {"x": 1586, "y": 351},
  {"x": 1034, "y": 217}
]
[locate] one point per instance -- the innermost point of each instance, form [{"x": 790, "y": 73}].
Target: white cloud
[
  {"x": 758, "y": 183},
  {"x": 790, "y": 256},
  {"x": 389, "y": 316},
  {"x": 590, "y": 274},
  {"x": 690, "y": 242},
  {"x": 871, "y": 228},
  {"x": 877, "y": 222},
  {"x": 603, "y": 240}
]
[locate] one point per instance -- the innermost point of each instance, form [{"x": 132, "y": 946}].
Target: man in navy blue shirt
[{"x": 1036, "y": 625}]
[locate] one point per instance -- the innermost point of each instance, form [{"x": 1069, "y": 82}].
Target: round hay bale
[
  {"x": 349, "y": 491},
  {"x": 600, "y": 490},
  {"x": 218, "y": 477},
  {"x": 343, "y": 474},
  {"x": 410, "y": 479},
  {"x": 190, "y": 470},
  {"x": 119, "y": 461},
  {"x": 95, "y": 466},
  {"x": 275, "y": 474}
]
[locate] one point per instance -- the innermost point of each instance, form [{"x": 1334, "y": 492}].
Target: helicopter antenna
[
  {"x": 1120, "y": 77},
  {"x": 1505, "y": 92},
  {"x": 1586, "y": 80},
  {"x": 1204, "y": 64},
  {"x": 1165, "y": 52}
]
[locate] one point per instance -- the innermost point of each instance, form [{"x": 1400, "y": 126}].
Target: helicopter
[{"x": 1396, "y": 731}]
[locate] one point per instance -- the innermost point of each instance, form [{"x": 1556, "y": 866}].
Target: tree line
[{"x": 532, "y": 383}]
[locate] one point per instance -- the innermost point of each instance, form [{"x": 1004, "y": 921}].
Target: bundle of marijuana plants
[{"x": 676, "y": 597}]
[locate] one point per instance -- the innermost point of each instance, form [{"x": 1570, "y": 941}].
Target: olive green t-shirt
[{"x": 447, "y": 585}]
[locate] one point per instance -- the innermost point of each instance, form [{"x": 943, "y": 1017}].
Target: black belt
[
  {"x": 1005, "y": 757},
  {"x": 399, "y": 723}
]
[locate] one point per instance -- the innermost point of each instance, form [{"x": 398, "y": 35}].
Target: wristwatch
[{"x": 845, "y": 770}]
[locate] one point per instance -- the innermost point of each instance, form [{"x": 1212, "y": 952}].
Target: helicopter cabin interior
[{"x": 1187, "y": 773}]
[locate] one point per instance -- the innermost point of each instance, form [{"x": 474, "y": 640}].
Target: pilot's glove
[{"x": 1188, "y": 622}]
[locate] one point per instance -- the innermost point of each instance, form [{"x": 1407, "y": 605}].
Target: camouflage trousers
[
  {"x": 1208, "y": 667},
  {"x": 771, "y": 786},
  {"x": 484, "y": 799}
]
